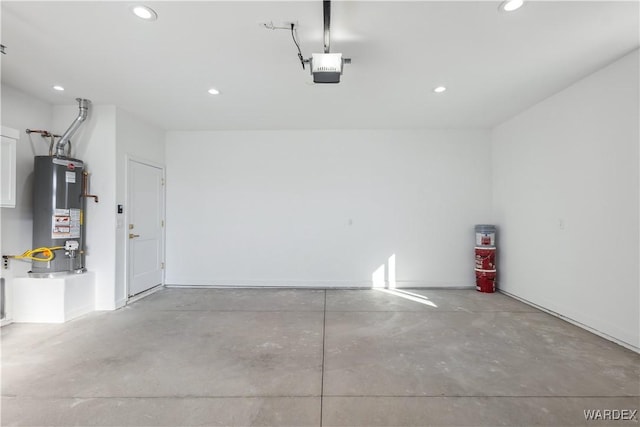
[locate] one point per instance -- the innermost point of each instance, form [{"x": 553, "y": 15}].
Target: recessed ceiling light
[
  {"x": 58, "y": 87},
  {"x": 511, "y": 5},
  {"x": 213, "y": 91},
  {"x": 439, "y": 89},
  {"x": 144, "y": 12}
]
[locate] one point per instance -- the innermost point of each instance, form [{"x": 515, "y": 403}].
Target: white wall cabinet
[{"x": 8, "y": 167}]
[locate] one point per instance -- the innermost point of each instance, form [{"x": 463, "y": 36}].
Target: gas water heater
[{"x": 58, "y": 207}]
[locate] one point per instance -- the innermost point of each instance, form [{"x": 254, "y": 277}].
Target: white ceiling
[{"x": 495, "y": 64}]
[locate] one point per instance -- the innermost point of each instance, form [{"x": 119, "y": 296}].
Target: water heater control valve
[{"x": 71, "y": 247}]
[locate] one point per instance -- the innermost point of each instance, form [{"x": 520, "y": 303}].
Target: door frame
[{"x": 127, "y": 217}]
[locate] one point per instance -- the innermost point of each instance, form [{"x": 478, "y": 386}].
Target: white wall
[
  {"x": 566, "y": 192},
  {"x": 324, "y": 207},
  {"x": 21, "y": 111},
  {"x": 95, "y": 144},
  {"x": 141, "y": 141}
]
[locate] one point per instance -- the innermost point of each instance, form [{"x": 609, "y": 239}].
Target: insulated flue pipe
[
  {"x": 326, "y": 5},
  {"x": 83, "y": 105}
]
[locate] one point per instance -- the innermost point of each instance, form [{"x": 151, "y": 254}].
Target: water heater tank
[{"x": 58, "y": 214}]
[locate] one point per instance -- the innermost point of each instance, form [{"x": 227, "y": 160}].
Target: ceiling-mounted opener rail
[{"x": 326, "y": 11}]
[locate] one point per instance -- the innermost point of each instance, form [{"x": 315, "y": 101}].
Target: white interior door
[{"x": 145, "y": 230}]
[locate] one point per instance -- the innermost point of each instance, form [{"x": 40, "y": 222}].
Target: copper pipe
[
  {"x": 44, "y": 133},
  {"x": 85, "y": 186}
]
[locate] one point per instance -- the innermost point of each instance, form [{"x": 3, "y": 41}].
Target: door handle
[{"x": 133, "y": 236}]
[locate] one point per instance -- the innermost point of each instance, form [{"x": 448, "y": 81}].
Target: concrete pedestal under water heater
[{"x": 60, "y": 190}]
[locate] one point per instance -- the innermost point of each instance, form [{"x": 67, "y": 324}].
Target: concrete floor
[{"x": 314, "y": 357}]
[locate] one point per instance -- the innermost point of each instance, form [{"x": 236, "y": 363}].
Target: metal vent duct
[{"x": 83, "y": 105}]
